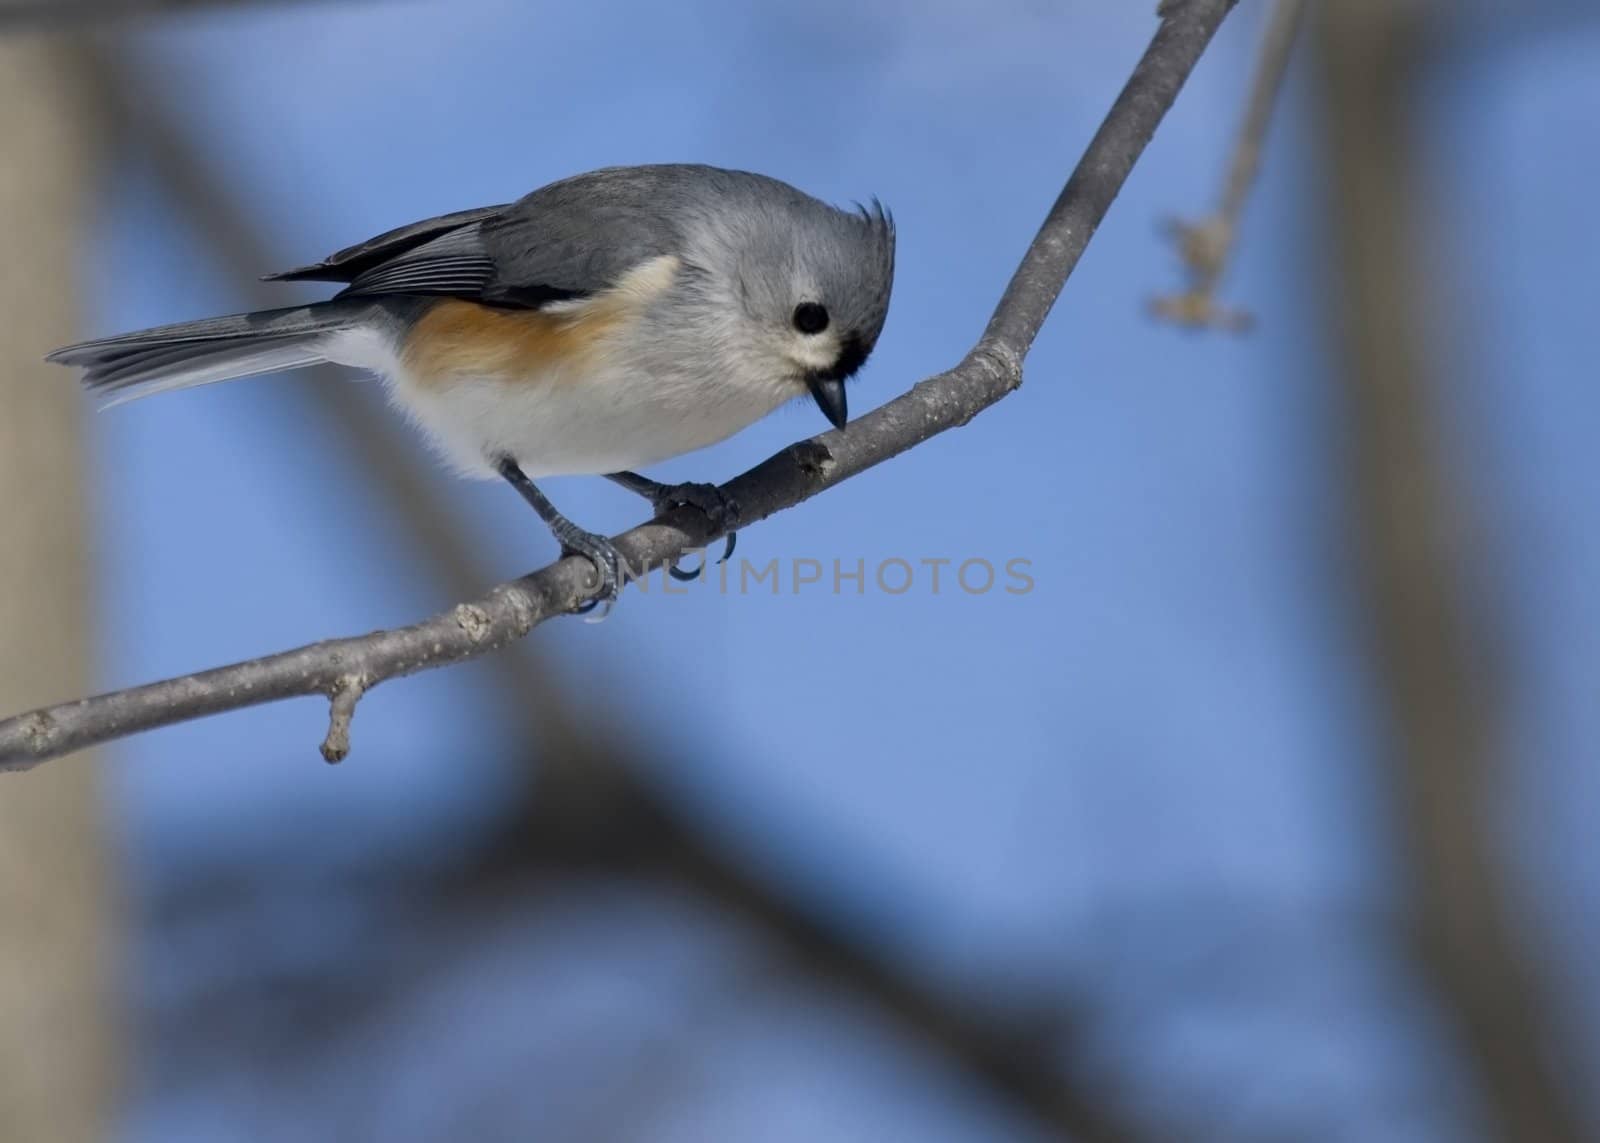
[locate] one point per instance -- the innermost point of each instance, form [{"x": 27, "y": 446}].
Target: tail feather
[
  {"x": 134, "y": 365},
  {"x": 188, "y": 367}
]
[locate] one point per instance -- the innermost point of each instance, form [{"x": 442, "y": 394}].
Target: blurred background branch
[
  {"x": 1206, "y": 246},
  {"x": 60, "y": 937},
  {"x": 1469, "y": 935},
  {"x": 20, "y": 15}
]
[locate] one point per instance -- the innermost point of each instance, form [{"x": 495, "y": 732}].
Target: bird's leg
[
  {"x": 573, "y": 540},
  {"x": 718, "y": 507}
]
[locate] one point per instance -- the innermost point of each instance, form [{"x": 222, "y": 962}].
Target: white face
[
  {"x": 806, "y": 338},
  {"x": 809, "y": 352}
]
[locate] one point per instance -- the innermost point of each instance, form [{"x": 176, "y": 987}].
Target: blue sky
[{"x": 1177, "y": 712}]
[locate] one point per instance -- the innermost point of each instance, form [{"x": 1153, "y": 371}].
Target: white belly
[
  {"x": 565, "y": 428},
  {"x": 608, "y": 420}
]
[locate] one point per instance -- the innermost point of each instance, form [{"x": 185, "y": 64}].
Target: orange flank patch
[{"x": 456, "y": 338}]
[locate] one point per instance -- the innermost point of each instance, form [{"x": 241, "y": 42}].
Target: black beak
[{"x": 828, "y": 392}]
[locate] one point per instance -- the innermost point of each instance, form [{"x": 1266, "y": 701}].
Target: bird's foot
[
  {"x": 720, "y": 508},
  {"x": 607, "y": 561}
]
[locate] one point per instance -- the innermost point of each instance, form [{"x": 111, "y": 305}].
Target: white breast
[
  {"x": 610, "y": 421},
  {"x": 637, "y": 400}
]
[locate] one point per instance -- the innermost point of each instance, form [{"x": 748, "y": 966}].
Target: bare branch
[
  {"x": 989, "y": 372},
  {"x": 1464, "y": 929},
  {"x": 1206, "y": 246}
]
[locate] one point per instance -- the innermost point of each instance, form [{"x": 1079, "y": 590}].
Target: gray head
[{"x": 813, "y": 282}]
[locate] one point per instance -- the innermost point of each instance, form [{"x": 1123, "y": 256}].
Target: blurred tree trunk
[
  {"x": 58, "y": 936},
  {"x": 1468, "y": 931}
]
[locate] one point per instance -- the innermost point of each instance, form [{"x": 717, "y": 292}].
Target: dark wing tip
[
  {"x": 318, "y": 271},
  {"x": 353, "y": 261},
  {"x": 81, "y": 354}
]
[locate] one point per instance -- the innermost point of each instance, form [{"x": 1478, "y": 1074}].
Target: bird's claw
[
  {"x": 720, "y": 508},
  {"x": 607, "y": 561}
]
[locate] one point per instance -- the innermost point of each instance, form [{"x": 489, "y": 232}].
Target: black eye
[{"x": 809, "y": 317}]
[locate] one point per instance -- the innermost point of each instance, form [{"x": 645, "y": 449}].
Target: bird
[{"x": 597, "y": 325}]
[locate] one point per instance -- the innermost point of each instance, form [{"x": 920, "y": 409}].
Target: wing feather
[
  {"x": 348, "y": 264},
  {"x": 570, "y": 239}
]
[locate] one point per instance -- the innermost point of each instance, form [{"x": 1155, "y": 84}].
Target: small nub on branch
[{"x": 342, "y": 699}]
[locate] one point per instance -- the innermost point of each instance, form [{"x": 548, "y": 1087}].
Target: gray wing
[
  {"x": 566, "y": 240},
  {"x": 449, "y": 236},
  {"x": 582, "y": 234}
]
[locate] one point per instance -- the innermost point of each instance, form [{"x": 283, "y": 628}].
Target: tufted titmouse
[{"x": 603, "y": 322}]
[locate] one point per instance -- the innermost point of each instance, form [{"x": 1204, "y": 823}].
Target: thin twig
[
  {"x": 1207, "y": 245},
  {"x": 991, "y": 371},
  {"x": 1464, "y": 927}
]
